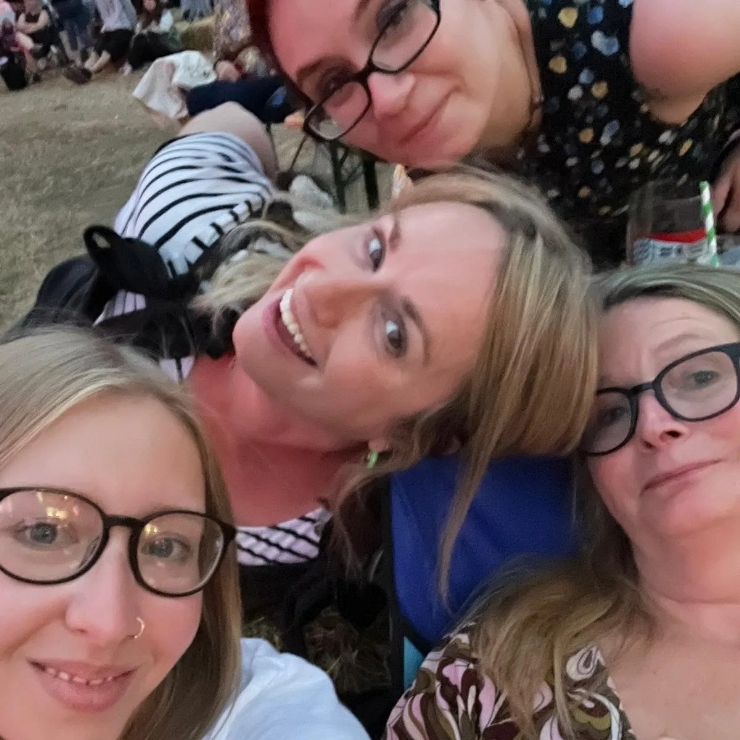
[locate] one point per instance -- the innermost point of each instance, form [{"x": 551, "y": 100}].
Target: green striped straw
[{"x": 707, "y": 212}]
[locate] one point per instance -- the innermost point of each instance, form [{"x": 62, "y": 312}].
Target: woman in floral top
[{"x": 640, "y": 638}]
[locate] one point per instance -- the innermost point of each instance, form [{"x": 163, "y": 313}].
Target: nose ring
[{"x": 141, "y": 628}]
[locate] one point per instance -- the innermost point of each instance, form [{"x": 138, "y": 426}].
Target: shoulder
[
  {"x": 684, "y": 47},
  {"x": 450, "y": 695},
  {"x": 280, "y": 693}
]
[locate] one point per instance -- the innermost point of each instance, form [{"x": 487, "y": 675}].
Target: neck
[
  {"x": 228, "y": 396},
  {"x": 277, "y": 465},
  {"x": 519, "y": 88},
  {"x": 693, "y": 585}
]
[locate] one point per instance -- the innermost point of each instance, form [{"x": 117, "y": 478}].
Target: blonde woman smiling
[{"x": 120, "y": 610}]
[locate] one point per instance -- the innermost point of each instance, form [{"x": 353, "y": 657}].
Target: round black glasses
[
  {"x": 696, "y": 387},
  {"x": 50, "y": 536}
]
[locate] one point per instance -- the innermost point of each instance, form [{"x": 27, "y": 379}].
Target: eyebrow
[
  {"x": 362, "y": 6},
  {"x": 413, "y": 313},
  {"x": 310, "y": 69},
  {"x": 407, "y": 305},
  {"x": 678, "y": 340},
  {"x": 675, "y": 342}
]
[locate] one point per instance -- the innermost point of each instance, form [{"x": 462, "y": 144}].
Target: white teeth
[
  {"x": 64, "y": 676},
  {"x": 291, "y": 324}
]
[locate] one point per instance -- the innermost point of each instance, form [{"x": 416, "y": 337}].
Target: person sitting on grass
[
  {"x": 35, "y": 24},
  {"x": 119, "y": 20},
  {"x": 156, "y": 36},
  {"x": 13, "y": 64},
  {"x": 75, "y": 17}
]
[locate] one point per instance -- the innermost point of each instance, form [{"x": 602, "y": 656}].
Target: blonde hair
[
  {"x": 44, "y": 375},
  {"x": 528, "y": 628},
  {"x": 528, "y": 393}
]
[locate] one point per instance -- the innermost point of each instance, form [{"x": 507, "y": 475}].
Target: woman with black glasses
[
  {"x": 119, "y": 615},
  {"x": 588, "y": 100},
  {"x": 640, "y": 638}
]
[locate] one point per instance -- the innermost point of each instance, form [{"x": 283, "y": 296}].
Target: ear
[{"x": 379, "y": 444}]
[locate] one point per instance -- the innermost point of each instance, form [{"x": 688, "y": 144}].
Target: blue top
[{"x": 524, "y": 506}]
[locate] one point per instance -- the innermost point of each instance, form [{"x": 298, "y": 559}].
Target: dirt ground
[{"x": 69, "y": 157}]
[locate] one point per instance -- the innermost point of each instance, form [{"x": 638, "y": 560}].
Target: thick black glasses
[
  {"x": 696, "y": 387},
  {"x": 50, "y": 536},
  {"x": 344, "y": 100}
]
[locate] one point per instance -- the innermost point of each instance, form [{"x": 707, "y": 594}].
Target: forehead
[
  {"x": 660, "y": 327},
  {"x": 474, "y": 229},
  {"x": 130, "y": 455},
  {"x": 304, "y": 31}
]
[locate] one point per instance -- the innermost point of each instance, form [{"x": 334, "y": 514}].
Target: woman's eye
[
  {"x": 331, "y": 83},
  {"x": 376, "y": 252},
  {"x": 45, "y": 535},
  {"x": 167, "y": 548},
  {"x": 702, "y": 378},
  {"x": 395, "y": 337}
]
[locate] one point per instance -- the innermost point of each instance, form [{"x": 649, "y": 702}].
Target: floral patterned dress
[
  {"x": 598, "y": 141},
  {"x": 452, "y": 699}
]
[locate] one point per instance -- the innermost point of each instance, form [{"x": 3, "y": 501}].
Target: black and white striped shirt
[{"x": 192, "y": 192}]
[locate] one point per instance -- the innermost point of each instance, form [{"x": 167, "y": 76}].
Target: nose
[
  {"x": 103, "y": 607},
  {"x": 389, "y": 93},
  {"x": 332, "y": 298},
  {"x": 656, "y": 427}
]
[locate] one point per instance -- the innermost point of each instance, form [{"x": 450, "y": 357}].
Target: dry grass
[{"x": 69, "y": 157}]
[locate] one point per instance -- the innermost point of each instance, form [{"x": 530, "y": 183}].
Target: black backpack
[{"x": 13, "y": 69}]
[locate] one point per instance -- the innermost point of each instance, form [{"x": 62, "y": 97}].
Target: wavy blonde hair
[
  {"x": 529, "y": 391},
  {"x": 46, "y": 374},
  {"x": 527, "y": 629}
]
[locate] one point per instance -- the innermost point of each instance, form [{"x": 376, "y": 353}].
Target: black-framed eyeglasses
[
  {"x": 343, "y": 102},
  {"x": 696, "y": 387},
  {"x": 50, "y": 536}
]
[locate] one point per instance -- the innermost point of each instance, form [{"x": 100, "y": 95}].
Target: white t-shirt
[{"x": 283, "y": 697}]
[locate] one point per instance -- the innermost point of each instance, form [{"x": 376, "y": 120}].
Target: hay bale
[{"x": 198, "y": 35}]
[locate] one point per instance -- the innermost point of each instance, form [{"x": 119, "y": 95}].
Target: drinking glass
[{"x": 666, "y": 225}]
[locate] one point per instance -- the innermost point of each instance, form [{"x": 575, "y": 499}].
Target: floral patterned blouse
[{"x": 452, "y": 699}]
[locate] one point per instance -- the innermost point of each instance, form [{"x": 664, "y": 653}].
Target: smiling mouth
[
  {"x": 660, "y": 480},
  {"x": 418, "y": 128},
  {"x": 289, "y": 330}
]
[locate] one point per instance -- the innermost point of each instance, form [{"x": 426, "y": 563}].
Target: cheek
[
  {"x": 171, "y": 625},
  {"x": 26, "y": 611},
  {"x": 613, "y": 477},
  {"x": 723, "y": 433}
]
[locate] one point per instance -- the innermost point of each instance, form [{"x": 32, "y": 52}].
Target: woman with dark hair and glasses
[
  {"x": 120, "y": 612},
  {"x": 640, "y": 638},
  {"x": 587, "y": 100}
]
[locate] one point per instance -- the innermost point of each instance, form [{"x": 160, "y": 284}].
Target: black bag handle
[{"x": 135, "y": 266}]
